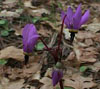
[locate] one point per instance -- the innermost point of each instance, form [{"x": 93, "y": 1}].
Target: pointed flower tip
[
  {"x": 85, "y": 17},
  {"x": 80, "y": 5},
  {"x": 56, "y": 76},
  {"x": 88, "y": 11},
  {"x": 30, "y": 37}
]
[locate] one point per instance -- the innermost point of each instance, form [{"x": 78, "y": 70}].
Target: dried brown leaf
[
  {"x": 84, "y": 35},
  {"x": 79, "y": 82},
  {"x": 47, "y": 83}
]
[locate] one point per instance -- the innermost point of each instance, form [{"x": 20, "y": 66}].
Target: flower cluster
[{"x": 73, "y": 21}]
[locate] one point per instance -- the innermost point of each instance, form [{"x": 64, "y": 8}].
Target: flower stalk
[
  {"x": 26, "y": 57},
  {"x": 72, "y": 35},
  {"x": 52, "y": 53},
  {"x": 60, "y": 35},
  {"x": 61, "y": 84}
]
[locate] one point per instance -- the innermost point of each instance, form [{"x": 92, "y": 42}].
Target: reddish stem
[
  {"x": 61, "y": 84},
  {"x": 48, "y": 49},
  {"x": 60, "y": 35}
]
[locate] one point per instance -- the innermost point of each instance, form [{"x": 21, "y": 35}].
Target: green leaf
[
  {"x": 40, "y": 46},
  {"x": 35, "y": 19},
  {"x": 44, "y": 18},
  {"x": 69, "y": 88},
  {"x": 59, "y": 5},
  {"x": 66, "y": 88},
  {"x": 3, "y": 61},
  {"x": 2, "y": 22},
  {"x": 83, "y": 68},
  {"x": 4, "y": 33}
]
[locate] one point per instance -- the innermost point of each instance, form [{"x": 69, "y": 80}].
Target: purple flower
[
  {"x": 56, "y": 76},
  {"x": 75, "y": 20},
  {"x": 30, "y": 37}
]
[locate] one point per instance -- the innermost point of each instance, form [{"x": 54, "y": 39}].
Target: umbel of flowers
[{"x": 73, "y": 21}]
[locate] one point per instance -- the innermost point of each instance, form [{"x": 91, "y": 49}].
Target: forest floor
[{"x": 81, "y": 60}]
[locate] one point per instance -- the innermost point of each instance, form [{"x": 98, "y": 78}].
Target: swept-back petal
[
  {"x": 31, "y": 43},
  {"x": 77, "y": 17},
  {"x": 56, "y": 76},
  {"x": 66, "y": 22},
  {"x": 85, "y": 17},
  {"x": 25, "y": 33},
  {"x": 30, "y": 37},
  {"x": 70, "y": 14},
  {"x": 62, "y": 15}
]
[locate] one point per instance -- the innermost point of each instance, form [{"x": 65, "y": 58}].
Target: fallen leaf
[
  {"x": 12, "y": 85},
  {"x": 6, "y": 84},
  {"x": 86, "y": 54},
  {"x": 12, "y": 52},
  {"x": 33, "y": 69},
  {"x": 28, "y": 4},
  {"x": 38, "y": 11},
  {"x": 15, "y": 53},
  {"x": 47, "y": 83},
  {"x": 9, "y": 3},
  {"x": 78, "y": 53},
  {"x": 97, "y": 65},
  {"x": 79, "y": 82},
  {"x": 97, "y": 39},
  {"x": 94, "y": 27},
  {"x": 48, "y": 72},
  {"x": 36, "y": 75},
  {"x": 6, "y": 13},
  {"x": 88, "y": 42},
  {"x": 71, "y": 56},
  {"x": 84, "y": 35}
]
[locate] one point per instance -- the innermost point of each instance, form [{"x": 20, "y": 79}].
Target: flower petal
[
  {"x": 66, "y": 22},
  {"x": 62, "y": 15},
  {"x": 85, "y": 17},
  {"x": 77, "y": 17},
  {"x": 25, "y": 33},
  {"x": 56, "y": 76},
  {"x": 70, "y": 14},
  {"x": 30, "y": 37},
  {"x": 31, "y": 43}
]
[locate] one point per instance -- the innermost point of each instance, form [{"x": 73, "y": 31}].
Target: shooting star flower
[
  {"x": 30, "y": 37},
  {"x": 73, "y": 20}
]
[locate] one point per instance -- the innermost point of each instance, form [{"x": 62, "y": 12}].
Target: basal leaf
[
  {"x": 3, "y": 62},
  {"x": 35, "y": 19},
  {"x": 4, "y": 33},
  {"x": 40, "y": 46},
  {"x": 2, "y": 22},
  {"x": 83, "y": 68}
]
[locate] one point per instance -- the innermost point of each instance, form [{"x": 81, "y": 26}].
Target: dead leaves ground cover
[{"x": 81, "y": 61}]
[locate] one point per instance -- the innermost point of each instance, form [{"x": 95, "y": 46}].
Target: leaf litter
[{"x": 85, "y": 51}]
